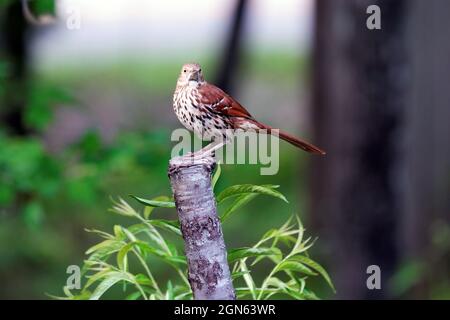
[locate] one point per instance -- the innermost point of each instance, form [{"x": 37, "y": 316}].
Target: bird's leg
[
  {"x": 216, "y": 146},
  {"x": 211, "y": 148},
  {"x": 206, "y": 150},
  {"x": 199, "y": 153}
]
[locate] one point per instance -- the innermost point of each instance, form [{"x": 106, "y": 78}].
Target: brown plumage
[{"x": 208, "y": 111}]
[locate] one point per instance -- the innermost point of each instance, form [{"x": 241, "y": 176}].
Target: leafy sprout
[{"x": 284, "y": 248}]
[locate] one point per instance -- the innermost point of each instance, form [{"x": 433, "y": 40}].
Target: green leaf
[
  {"x": 118, "y": 232},
  {"x": 249, "y": 188},
  {"x": 240, "y": 253},
  {"x": 290, "y": 265},
  {"x": 236, "y": 275},
  {"x": 110, "y": 279},
  {"x": 297, "y": 294},
  {"x": 309, "y": 295},
  {"x": 174, "y": 260},
  {"x": 101, "y": 233},
  {"x": 184, "y": 296},
  {"x": 69, "y": 296},
  {"x": 123, "y": 208},
  {"x": 287, "y": 289},
  {"x": 129, "y": 234},
  {"x": 134, "y": 296},
  {"x": 155, "y": 203},
  {"x": 299, "y": 244},
  {"x": 149, "y": 209},
  {"x": 122, "y": 260},
  {"x": 84, "y": 295},
  {"x": 314, "y": 265},
  {"x": 248, "y": 279},
  {"x": 239, "y": 202},
  {"x": 96, "y": 277},
  {"x": 138, "y": 228},
  {"x": 169, "y": 292},
  {"x": 142, "y": 279},
  {"x": 106, "y": 247},
  {"x": 172, "y": 249},
  {"x": 170, "y": 225},
  {"x": 276, "y": 282}
]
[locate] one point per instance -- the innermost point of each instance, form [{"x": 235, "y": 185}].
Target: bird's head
[{"x": 191, "y": 74}]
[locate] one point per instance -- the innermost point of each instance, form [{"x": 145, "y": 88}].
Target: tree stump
[{"x": 209, "y": 273}]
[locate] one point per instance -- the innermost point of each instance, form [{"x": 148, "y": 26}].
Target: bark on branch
[{"x": 209, "y": 273}]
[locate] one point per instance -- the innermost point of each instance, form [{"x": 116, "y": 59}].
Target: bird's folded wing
[{"x": 221, "y": 103}]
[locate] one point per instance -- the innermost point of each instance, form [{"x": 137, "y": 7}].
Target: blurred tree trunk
[
  {"x": 14, "y": 50},
  {"x": 381, "y": 110},
  {"x": 361, "y": 86},
  {"x": 426, "y": 214},
  {"x": 232, "y": 48}
]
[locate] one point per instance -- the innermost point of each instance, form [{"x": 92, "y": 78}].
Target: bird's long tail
[
  {"x": 308, "y": 147},
  {"x": 300, "y": 143}
]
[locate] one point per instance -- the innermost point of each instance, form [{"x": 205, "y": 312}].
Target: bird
[{"x": 214, "y": 115}]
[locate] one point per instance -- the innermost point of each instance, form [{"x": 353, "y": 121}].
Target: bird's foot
[{"x": 199, "y": 155}]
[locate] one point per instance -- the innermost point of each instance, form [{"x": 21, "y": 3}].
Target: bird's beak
[{"x": 194, "y": 77}]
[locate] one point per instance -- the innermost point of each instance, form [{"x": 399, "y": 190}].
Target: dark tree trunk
[
  {"x": 361, "y": 89},
  {"x": 232, "y": 49},
  {"x": 14, "y": 50},
  {"x": 381, "y": 110},
  {"x": 427, "y": 203}
]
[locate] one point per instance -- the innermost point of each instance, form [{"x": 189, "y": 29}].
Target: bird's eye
[
  {"x": 199, "y": 70},
  {"x": 184, "y": 70}
]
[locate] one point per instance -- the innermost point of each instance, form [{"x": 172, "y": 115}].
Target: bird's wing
[{"x": 221, "y": 103}]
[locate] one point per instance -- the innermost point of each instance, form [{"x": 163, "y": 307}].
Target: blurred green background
[
  {"x": 86, "y": 114},
  {"x": 100, "y": 128}
]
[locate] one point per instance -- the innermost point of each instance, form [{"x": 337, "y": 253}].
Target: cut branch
[{"x": 209, "y": 273}]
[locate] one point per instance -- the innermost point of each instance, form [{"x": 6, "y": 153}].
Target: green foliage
[
  {"x": 43, "y": 6},
  {"x": 294, "y": 267},
  {"x": 406, "y": 277},
  {"x": 28, "y": 174},
  {"x": 155, "y": 203},
  {"x": 242, "y": 194},
  {"x": 38, "y": 7},
  {"x": 126, "y": 255},
  {"x": 4, "y": 3},
  {"x": 31, "y": 176},
  {"x": 40, "y": 102}
]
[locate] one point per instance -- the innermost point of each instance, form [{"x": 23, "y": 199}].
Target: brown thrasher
[{"x": 210, "y": 113}]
